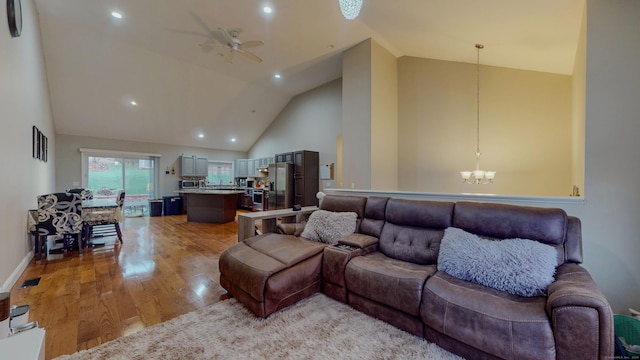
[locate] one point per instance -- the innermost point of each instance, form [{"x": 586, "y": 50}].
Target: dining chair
[
  {"x": 59, "y": 214},
  {"x": 104, "y": 221},
  {"x": 86, "y": 194}
]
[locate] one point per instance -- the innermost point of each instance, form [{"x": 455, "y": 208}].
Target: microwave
[{"x": 189, "y": 184}]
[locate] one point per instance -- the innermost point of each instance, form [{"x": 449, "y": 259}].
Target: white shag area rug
[{"x": 315, "y": 328}]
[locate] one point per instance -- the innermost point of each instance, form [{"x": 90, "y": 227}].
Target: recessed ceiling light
[
  {"x": 201, "y": 135},
  {"x": 277, "y": 76},
  {"x": 267, "y": 9},
  {"x": 116, "y": 15},
  {"x": 233, "y": 139},
  {"x": 133, "y": 103}
]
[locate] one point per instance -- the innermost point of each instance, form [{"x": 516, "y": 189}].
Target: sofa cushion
[
  {"x": 413, "y": 229},
  {"x": 374, "y": 212},
  {"x": 388, "y": 281},
  {"x": 518, "y": 266},
  {"x": 286, "y": 249},
  {"x": 329, "y": 227},
  {"x": 345, "y": 203},
  {"x": 503, "y": 325},
  {"x": 505, "y": 221}
]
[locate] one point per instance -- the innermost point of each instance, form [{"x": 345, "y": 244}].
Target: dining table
[{"x": 103, "y": 203}]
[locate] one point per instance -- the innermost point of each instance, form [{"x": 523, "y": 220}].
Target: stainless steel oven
[{"x": 258, "y": 199}]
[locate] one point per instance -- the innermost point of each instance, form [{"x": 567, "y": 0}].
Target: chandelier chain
[{"x": 478, "y": 46}]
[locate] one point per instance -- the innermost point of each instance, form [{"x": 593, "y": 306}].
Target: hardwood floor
[{"x": 165, "y": 267}]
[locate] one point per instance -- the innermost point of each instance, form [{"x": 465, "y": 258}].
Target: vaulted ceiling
[{"x": 97, "y": 64}]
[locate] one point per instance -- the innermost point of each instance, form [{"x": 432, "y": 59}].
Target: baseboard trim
[{"x": 15, "y": 275}]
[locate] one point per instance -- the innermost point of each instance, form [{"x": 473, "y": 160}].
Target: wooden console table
[{"x": 246, "y": 222}]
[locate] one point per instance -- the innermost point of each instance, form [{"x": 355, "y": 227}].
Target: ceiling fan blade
[
  {"x": 227, "y": 37},
  {"x": 250, "y": 55},
  {"x": 206, "y": 47},
  {"x": 201, "y": 23},
  {"x": 250, "y": 44}
]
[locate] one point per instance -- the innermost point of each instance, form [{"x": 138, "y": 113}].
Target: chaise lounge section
[{"x": 394, "y": 267}]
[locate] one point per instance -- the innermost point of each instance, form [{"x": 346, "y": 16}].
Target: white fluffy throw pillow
[
  {"x": 517, "y": 266},
  {"x": 329, "y": 227}
]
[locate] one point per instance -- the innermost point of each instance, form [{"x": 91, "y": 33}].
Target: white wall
[
  {"x": 310, "y": 121},
  {"x": 24, "y": 100},
  {"x": 525, "y": 128},
  {"x": 610, "y": 221},
  {"x": 68, "y": 158}
]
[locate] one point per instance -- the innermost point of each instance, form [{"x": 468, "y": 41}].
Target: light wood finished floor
[{"x": 166, "y": 267}]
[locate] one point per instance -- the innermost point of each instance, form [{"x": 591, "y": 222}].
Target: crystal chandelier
[
  {"x": 350, "y": 8},
  {"x": 478, "y": 176}
]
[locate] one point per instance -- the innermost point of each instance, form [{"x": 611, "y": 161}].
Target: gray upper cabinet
[
  {"x": 193, "y": 166},
  {"x": 202, "y": 167},
  {"x": 188, "y": 166},
  {"x": 241, "y": 168},
  {"x": 249, "y": 167}
]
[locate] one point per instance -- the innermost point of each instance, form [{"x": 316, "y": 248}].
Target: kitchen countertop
[{"x": 210, "y": 191}]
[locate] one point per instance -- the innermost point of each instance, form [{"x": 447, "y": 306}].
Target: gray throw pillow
[
  {"x": 517, "y": 266},
  {"x": 329, "y": 227}
]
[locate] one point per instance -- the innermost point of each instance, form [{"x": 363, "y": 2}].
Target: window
[{"x": 220, "y": 173}]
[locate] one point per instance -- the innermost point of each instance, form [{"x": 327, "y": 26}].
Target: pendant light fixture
[
  {"x": 478, "y": 176},
  {"x": 350, "y": 8}
]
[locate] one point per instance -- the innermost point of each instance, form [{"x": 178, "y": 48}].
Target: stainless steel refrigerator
[{"x": 280, "y": 186}]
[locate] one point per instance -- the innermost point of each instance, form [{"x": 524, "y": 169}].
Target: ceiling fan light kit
[{"x": 350, "y": 8}]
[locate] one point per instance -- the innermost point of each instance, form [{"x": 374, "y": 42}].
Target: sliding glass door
[{"x": 106, "y": 175}]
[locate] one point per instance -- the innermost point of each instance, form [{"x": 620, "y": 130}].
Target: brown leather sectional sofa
[{"x": 390, "y": 272}]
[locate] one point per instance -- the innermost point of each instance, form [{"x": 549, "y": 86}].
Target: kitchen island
[{"x": 212, "y": 206}]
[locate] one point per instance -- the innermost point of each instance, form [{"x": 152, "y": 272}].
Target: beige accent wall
[
  {"x": 579, "y": 89},
  {"x": 525, "y": 128}
]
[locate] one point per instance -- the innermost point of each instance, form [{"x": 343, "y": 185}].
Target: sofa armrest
[
  {"x": 294, "y": 229},
  {"x": 361, "y": 241},
  {"x": 580, "y": 314}
]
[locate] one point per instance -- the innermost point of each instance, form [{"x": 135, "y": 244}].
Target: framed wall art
[
  {"x": 40, "y": 144},
  {"x": 34, "y": 139}
]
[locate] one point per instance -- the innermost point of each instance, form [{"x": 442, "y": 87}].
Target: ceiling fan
[{"x": 234, "y": 45}]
